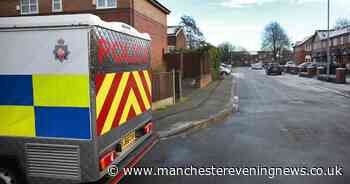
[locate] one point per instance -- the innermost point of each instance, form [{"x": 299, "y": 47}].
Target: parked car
[
  {"x": 290, "y": 67},
  {"x": 225, "y": 69},
  {"x": 257, "y": 66},
  {"x": 303, "y": 66},
  {"x": 226, "y": 65},
  {"x": 265, "y": 65},
  {"x": 274, "y": 68},
  {"x": 290, "y": 64}
]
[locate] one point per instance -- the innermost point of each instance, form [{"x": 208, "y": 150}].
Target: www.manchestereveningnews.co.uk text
[{"x": 270, "y": 172}]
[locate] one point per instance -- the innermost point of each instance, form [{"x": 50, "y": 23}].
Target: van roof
[{"x": 68, "y": 20}]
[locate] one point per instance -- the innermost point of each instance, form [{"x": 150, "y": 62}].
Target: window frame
[
  {"x": 341, "y": 40},
  {"x": 335, "y": 41},
  {"x": 29, "y": 5},
  {"x": 106, "y": 7},
  {"x": 57, "y": 10}
]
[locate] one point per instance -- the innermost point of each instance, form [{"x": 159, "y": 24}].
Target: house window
[
  {"x": 101, "y": 4},
  {"x": 29, "y": 6},
  {"x": 335, "y": 42},
  {"x": 341, "y": 40},
  {"x": 57, "y": 5}
]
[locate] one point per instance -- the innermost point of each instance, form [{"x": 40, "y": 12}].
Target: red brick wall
[
  {"x": 299, "y": 56},
  {"x": 8, "y": 7},
  {"x": 204, "y": 80},
  {"x": 121, "y": 15}
]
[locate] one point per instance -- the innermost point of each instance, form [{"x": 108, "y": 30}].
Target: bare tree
[
  {"x": 342, "y": 23},
  {"x": 194, "y": 35},
  {"x": 275, "y": 40},
  {"x": 226, "y": 49}
]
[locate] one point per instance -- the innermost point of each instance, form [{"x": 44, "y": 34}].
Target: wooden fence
[
  {"x": 192, "y": 65},
  {"x": 162, "y": 86}
]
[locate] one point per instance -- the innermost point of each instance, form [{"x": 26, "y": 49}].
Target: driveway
[{"x": 279, "y": 125}]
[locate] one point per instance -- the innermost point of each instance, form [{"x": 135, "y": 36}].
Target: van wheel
[{"x": 7, "y": 176}]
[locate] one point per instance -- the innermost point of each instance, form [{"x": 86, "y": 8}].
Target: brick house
[
  {"x": 176, "y": 38},
  {"x": 145, "y": 15},
  {"x": 339, "y": 47},
  {"x": 303, "y": 50}
]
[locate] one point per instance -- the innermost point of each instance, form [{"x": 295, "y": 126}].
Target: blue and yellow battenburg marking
[{"x": 45, "y": 106}]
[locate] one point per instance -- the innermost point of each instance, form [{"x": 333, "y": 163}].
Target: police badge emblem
[{"x": 61, "y": 51}]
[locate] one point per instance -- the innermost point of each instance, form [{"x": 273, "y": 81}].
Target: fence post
[
  {"x": 174, "y": 90},
  {"x": 181, "y": 61},
  {"x": 180, "y": 85}
]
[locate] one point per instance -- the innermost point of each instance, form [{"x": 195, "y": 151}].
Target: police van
[{"x": 75, "y": 98}]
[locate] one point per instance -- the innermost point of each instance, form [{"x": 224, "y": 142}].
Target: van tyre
[{"x": 7, "y": 176}]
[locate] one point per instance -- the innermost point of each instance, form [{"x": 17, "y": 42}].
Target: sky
[{"x": 241, "y": 22}]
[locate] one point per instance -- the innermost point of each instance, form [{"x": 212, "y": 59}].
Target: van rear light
[
  {"x": 148, "y": 128},
  {"x": 107, "y": 159}
]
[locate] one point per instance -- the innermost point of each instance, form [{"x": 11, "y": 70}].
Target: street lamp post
[{"x": 328, "y": 44}]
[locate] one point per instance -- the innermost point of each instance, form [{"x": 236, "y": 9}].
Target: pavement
[
  {"x": 294, "y": 80},
  {"x": 200, "y": 106},
  {"x": 278, "y": 125}
]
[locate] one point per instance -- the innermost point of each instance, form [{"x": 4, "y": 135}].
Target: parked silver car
[
  {"x": 257, "y": 66},
  {"x": 225, "y": 69}
]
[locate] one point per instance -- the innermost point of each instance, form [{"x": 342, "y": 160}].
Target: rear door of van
[{"x": 121, "y": 71}]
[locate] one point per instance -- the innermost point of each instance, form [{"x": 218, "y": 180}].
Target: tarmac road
[{"x": 278, "y": 125}]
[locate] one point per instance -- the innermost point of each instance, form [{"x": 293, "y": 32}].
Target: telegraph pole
[{"x": 328, "y": 43}]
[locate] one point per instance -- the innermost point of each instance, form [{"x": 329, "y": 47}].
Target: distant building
[
  {"x": 176, "y": 38},
  {"x": 240, "y": 58},
  {"x": 268, "y": 57},
  {"x": 148, "y": 16},
  {"x": 254, "y": 57},
  {"x": 287, "y": 55},
  {"x": 265, "y": 56},
  {"x": 246, "y": 58}
]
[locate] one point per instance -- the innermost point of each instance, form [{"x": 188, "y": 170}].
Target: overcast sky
[{"x": 241, "y": 22}]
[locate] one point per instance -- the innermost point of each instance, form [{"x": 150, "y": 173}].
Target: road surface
[{"x": 279, "y": 125}]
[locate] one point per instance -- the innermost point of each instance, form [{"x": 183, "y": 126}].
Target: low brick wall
[{"x": 204, "y": 80}]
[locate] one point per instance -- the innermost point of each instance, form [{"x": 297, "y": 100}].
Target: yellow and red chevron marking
[{"x": 121, "y": 97}]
